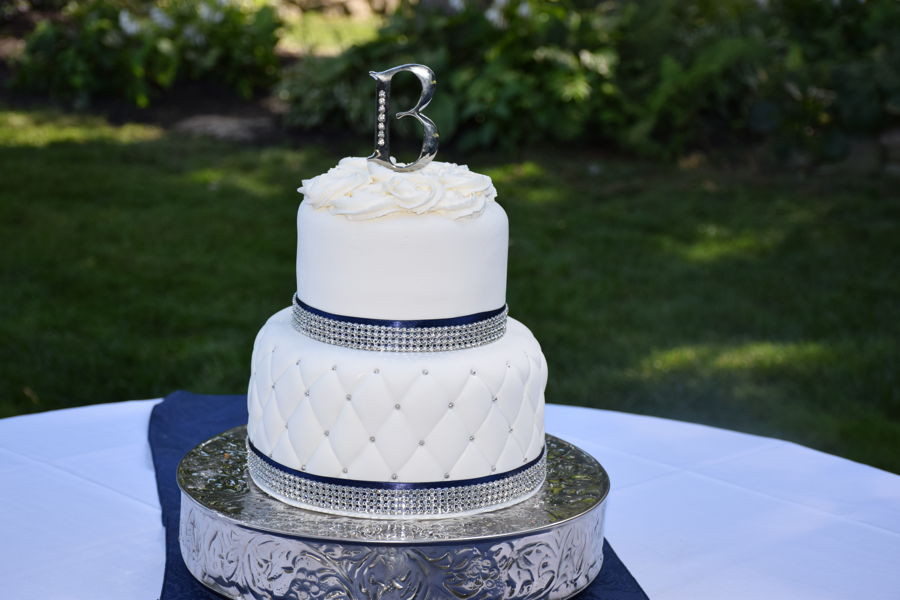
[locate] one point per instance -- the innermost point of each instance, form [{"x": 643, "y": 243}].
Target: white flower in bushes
[
  {"x": 193, "y": 36},
  {"x": 112, "y": 38},
  {"x": 206, "y": 13},
  {"x": 161, "y": 19},
  {"x": 128, "y": 24},
  {"x": 494, "y": 14}
]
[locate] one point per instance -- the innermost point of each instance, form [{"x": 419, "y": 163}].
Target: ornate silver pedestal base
[{"x": 242, "y": 543}]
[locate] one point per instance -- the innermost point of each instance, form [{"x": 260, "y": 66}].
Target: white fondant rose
[
  {"x": 467, "y": 183},
  {"x": 364, "y": 204},
  {"x": 467, "y": 193},
  {"x": 415, "y": 192},
  {"x": 377, "y": 172},
  {"x": 337, "y": 182},
  {"x": 457, "y": 206},
  {"x": 360, "y": 189}
]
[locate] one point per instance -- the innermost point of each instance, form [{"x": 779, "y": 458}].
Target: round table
[{"x": 695, "y": 512}]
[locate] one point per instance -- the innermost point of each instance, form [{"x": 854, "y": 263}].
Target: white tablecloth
[{"x": 695, "y": 512}]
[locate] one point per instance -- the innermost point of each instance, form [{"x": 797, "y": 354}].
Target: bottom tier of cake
[{"x": 396, "y": 433}]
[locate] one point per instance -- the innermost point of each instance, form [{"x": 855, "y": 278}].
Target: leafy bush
[
  {"x": 539, "y": 75},
  {"x": 126, "y": 49},
  {"x": 835, "y": 74},
  {"x": 659, "y": 77},
  {"x": 684, "y": 71},
  {"x": 13, "y": 8}
]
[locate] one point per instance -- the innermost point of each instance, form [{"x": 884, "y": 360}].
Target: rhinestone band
[
  {"x": 361, "y": 336},
  {"x": 428, "y": 500}
]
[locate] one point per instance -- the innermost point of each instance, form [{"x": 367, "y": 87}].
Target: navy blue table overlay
[{"x": 183, "y": 420}]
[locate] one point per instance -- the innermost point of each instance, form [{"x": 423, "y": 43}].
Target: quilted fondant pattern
[{"x": 382, "y": 416}]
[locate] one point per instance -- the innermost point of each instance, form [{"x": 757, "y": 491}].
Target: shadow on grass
[{"x": 136, "y": 262}]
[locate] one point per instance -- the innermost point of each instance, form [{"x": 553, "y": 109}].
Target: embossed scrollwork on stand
[
  {"x": 382, "y": 153},
  {"x": 244, "y": 563}
]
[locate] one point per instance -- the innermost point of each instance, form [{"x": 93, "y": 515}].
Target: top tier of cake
[{"x": 425, "y": 245}]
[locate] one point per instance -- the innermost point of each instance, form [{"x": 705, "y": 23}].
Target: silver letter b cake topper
[{"x": 382, "y": 154}]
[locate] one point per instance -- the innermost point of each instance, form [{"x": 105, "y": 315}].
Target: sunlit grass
[
  {"x": 216, "y": 179},
  {"x": 37, "y": 129},
  {"x": 135, "y": 262},
  {"x": 754, "y": 356},
  {"x": 315, "y": 33},
  {"x": 714, "y": 242}
]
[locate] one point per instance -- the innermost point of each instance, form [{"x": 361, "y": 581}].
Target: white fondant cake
[
  {"x": 454, "y": 426},
  {"x": 392, "y": 262},
  {"x": 355, "y": 414}
]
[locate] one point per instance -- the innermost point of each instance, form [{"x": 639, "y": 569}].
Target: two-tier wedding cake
[
  {"x": 397, "y": 403},
  {"x": 396, "y": 385}
]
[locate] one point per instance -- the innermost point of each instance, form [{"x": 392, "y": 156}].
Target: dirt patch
[{"x": 11, "y": 48}]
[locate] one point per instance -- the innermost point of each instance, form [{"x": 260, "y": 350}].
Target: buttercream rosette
[{"x": 360, "y": 189}]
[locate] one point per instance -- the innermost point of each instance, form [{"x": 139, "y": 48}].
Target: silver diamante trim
[
  {"x": 386, "y": 503},
  {"x": 399, "y": 339}
]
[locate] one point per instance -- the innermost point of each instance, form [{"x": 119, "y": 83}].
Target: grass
[
  {"x": 317, "y": 33},
  {"x": 135, "y": 263}
]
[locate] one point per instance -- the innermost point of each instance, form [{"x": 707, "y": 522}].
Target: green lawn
[
  {"x": 316, "y": 33},
  {"x": 134, "y": 263}
]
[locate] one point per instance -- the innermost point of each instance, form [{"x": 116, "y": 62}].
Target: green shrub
[
  {"x": 685, "y": 69},
  {"x": 835, "y": 74},
  {"x": 540, "y": 75},
  {"x": 127, "y": 49},
  {"x": 10, "y": 9},
  {"x": 659, "y": 77}
]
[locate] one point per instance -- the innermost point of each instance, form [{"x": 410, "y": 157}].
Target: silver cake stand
[{"x": 242, "y": 543}]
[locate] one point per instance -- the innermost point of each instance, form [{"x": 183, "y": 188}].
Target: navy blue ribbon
[
  {"x": 386, "y": 485},
  {"x": 418, "y": 323}
]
